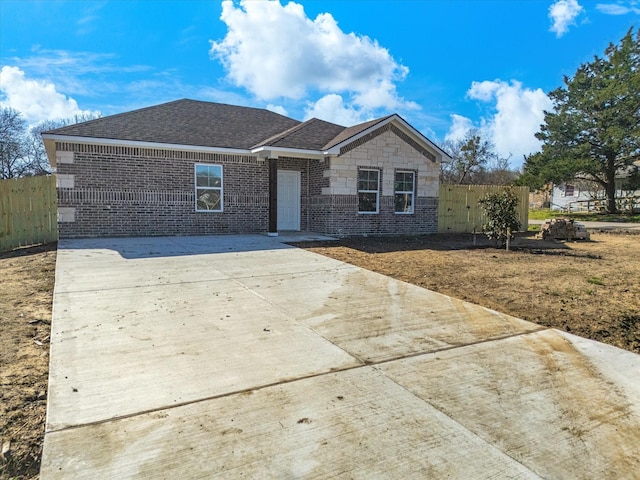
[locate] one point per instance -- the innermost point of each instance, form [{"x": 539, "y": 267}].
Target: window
[
  {"x": 569, "y": 190},
  {"x": 208, "y": 188},
  {"x": 368, "y": 188},
  {"x": 403, "y": 188}
]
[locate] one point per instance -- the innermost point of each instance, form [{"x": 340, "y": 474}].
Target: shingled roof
[
  {"x": 310, "y": 135},
  {"x": 206, "y": 124},
  {"x": 187, "y": 122},
  {"x": 349, "y": 132}
]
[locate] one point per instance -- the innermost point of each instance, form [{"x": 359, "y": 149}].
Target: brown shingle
[
  {"x": 351, "y": 132},
  {"x": 187, "y": 122},
  {"x": 310, "y": 135}
]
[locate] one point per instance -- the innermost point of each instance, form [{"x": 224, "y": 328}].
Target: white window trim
[
  {"x": 412, "y": 192},
  {"x": 196, "y": 187},
  {"x": 377, "y": 192}
]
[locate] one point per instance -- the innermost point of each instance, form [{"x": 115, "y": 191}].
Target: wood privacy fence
[
  {"x": 28, "y": 211},
  {"x": 459, "y": 211}
]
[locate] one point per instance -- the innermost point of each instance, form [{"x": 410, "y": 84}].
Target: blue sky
[{"x": 444, "y": 65}]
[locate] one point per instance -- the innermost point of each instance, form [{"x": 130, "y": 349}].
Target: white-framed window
[
  {"x": 368, "y": 190},
  {"x": 208, "y": 180},
  {"x": 403, "y": 191}
]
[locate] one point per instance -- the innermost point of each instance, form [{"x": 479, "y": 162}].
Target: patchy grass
[{"x": 546, "y": 213}]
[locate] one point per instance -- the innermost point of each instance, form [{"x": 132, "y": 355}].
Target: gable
[
  {"x": 389, "y": 128},
  {"x": 361, "y": 134}
]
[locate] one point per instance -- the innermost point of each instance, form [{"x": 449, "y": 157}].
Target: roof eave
[
  {"x": 267, "y": 151},
  {"x": 53, "y": 137}
]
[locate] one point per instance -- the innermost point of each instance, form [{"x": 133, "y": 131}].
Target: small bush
[{"x": 502, "y": 215}]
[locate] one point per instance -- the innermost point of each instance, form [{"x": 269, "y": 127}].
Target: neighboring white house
[{"x": 582, "y": 195}]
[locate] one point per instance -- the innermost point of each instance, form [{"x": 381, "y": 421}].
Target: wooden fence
[
  {"x": 28, "y": 209},
  {"x": 28, "y": 212},
  {"x": 459, "y": 211}
]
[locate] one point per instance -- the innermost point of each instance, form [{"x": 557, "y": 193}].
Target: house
[
  {"x": 194, "y": 168},
  {"x": 585, "y": 195},
  {"x": 569, "y": 196}
]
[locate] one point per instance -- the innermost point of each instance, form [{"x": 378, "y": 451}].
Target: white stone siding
[{"x": 388, "y": 152}]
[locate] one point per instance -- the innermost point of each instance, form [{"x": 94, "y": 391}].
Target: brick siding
[
  {"x": 125, "y": 191},
  {"x": 132, "y": 191}
]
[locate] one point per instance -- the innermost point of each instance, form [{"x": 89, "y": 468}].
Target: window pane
[
  {"x": 367, "y": 202},
  {"x": 208, "y": 175},
  {"x": 403, "y": 202},
  {"x": 368, "y": 179},
  {"x": 208, "y": 199},
  {"x": 404, "y": 182},
  {"x": 215, "y": 176},
  {"x": 202, "y": 177}
]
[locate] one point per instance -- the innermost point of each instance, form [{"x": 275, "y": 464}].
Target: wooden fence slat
[
  {"x": 459, "y": 211},
  {"x": 28, "y": 211}
]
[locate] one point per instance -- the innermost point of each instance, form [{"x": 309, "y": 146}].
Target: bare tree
[
  {"x": 23, "y": 152},
  {"x": 474, "y": 161},
  {"x": 12, "y": 143}
]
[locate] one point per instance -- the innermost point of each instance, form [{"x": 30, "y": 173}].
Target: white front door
[{"x": 288, "y": 200}]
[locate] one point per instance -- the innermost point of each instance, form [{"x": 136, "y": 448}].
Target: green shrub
[{"x": 502, "y": 216}]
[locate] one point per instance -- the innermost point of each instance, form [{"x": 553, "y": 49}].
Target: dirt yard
[
  {"x": 591, "y": 289},
  {"x": 26, "y": 292}
]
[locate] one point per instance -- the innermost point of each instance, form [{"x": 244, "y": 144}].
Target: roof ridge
[
  {"x": 180, "y": 100},
  {"x": 281, "y": 135}
]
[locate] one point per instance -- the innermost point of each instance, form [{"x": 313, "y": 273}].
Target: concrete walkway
[{"x": 242, "y": 357}]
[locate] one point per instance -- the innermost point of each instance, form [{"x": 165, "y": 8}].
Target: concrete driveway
[{"x": 243, "y": 357}]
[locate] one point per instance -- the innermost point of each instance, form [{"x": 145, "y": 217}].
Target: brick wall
[
  {"x": 126, "y": 191},
  {"x": 338, "y": 215},
  {"x": 130, "y": 191}
]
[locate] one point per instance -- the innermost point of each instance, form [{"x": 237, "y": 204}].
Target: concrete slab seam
[
  {"x": 461, "y": 425},
  {"x": 363, "y": 364}
]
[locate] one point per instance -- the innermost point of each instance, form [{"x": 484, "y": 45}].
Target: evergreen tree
[{"x": 593, "y": 132}]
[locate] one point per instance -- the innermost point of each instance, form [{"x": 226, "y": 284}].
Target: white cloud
[
  {"x": 276, "y": 51},
  {"x": 459, "y": 127},
  {"x": 563, "y": 13},
  {"x": 37, "y": 100},
  {"x": 277, "y": 109},
  {"x": 519, "y": 112},
  {"x": 332, "y": 108},
  {"x": 619, "y": 8}
]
